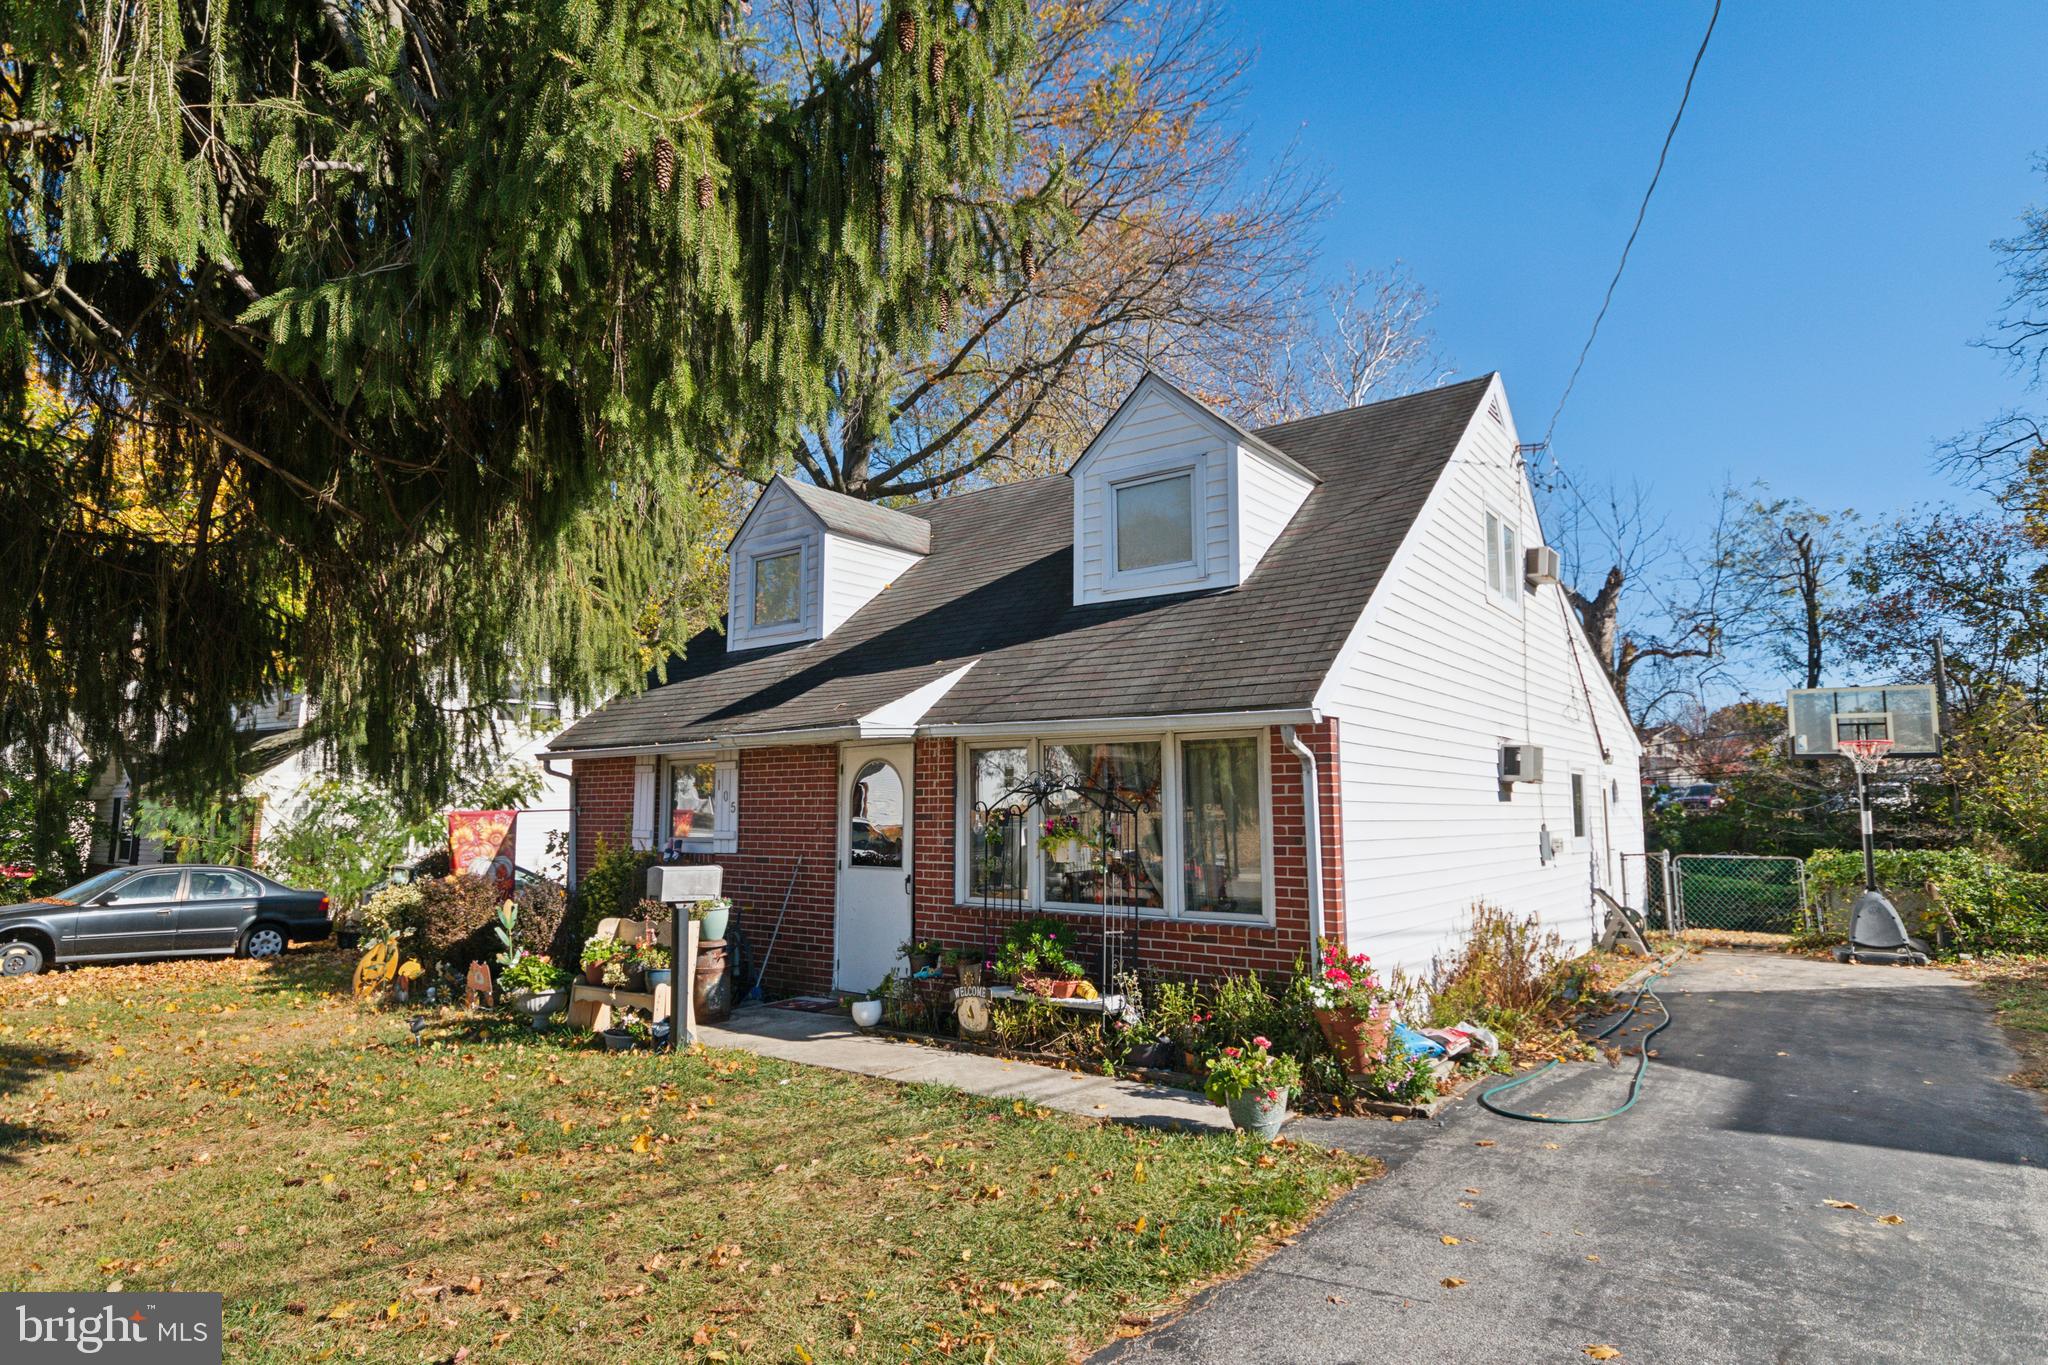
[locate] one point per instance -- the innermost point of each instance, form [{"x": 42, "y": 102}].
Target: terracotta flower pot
[
  {"x": 1357, "y": 1039},
  {"x": 593, "y": 973},
  {"x": 1064, "y": 990}
]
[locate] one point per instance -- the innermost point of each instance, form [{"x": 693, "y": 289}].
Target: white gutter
[
  {"x": 1186, "y": 720},
  {"x": 1312, "y": 813}
]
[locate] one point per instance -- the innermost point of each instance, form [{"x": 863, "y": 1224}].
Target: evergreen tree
[{"x": 421, "y": 319}]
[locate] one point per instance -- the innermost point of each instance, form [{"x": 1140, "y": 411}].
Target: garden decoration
[
  {"x": 1252, "y": 1083},
  {"x": 374, "y": 973},
  {"x": 476, "y": 986},
  {"x": 409, "y": 973},
  {"x": 1352, "y": 1009}
]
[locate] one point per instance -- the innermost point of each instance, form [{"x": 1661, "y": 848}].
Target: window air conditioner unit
[
  {"x": 1521, "y": 763},
  {"x": 1539, "y": 565}
]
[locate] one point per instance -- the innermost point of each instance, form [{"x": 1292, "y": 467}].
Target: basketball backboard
[{"x": 1907, "y": 714}]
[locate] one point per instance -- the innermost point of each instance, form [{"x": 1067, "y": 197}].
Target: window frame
[
  {"x": 797, "y": 550},
  {"x": 1172, "y": 837},
  {"x": 1172, "y": 569},
  {"x": 725, "y": 799},
  {"x": 1504, "y": 578},
  {"x": 1582, "y": 817}
]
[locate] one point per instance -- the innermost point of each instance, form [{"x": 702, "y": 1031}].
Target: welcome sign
[{"x": 121, "y": 1329}]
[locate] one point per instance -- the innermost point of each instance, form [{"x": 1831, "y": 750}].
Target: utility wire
[{"x": 1622, "y": 264}]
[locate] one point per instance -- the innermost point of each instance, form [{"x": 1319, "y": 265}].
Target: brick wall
[
  {"x": 1167, "y": 947},
  {"x": 789, "y": 810},
  {"x": 601, "y": 792}
]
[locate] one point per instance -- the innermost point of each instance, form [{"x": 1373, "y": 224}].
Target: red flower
[
  {"x": 1230, "y": 1052},
  {"x": 1261, "y": 1042}
]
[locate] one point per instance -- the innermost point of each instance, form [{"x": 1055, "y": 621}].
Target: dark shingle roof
[
  {"x": 997, "y": 587},
  {"x": 864, "y": 520}
]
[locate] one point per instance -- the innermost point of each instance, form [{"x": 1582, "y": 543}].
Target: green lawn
[
  {"x": 2018, "y": 988},
  {"x": 356, "y": 1195}
]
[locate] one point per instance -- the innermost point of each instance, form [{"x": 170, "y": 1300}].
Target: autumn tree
[
  {"x": 1183, "y": 256},
  {"x": 426, "y": 316},
  {"x": 1795, "y": 562}
]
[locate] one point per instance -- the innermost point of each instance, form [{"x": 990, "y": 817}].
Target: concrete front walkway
[{"x": 831, "y": 1040}]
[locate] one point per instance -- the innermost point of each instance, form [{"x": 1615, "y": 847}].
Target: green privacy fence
[{"x": 1738, "y": 892}]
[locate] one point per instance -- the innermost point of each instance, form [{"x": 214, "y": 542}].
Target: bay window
[{"x": 1189, "y": 827}]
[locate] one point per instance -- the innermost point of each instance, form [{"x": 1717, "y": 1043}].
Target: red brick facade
[{"x": 789, "y": 809}]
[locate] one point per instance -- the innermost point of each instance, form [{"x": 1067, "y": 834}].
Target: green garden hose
[{"x": 1635, "y": 1085}]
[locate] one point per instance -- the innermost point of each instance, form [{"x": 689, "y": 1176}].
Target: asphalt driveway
[{"x": 1696, "y": 1227}]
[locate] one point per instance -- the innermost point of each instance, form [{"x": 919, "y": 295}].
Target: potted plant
[
  {"x": 656, "y": 963},
  {"x": 712, "y": 917},
  {"x": 596, "y": 953},
  {"x": 535, "y": 986},
  {"x": 621, "y": 972},
  {"x": 1351, "y": 1009},
  {"x": 1253, "y": 1084},
  {"x": 964, "y": 961},
  {"x": 628, "y": 1029},
  {"x": 922, "y": 954},
  {"x": 867, "y": 1011},
  {"x": 1068, "y": 976}
]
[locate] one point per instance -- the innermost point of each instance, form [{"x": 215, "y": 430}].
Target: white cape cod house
[{"x": 1225, "y": 689}]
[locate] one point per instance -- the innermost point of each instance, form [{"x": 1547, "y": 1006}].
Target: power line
[{"x": 1622, "y": 264}]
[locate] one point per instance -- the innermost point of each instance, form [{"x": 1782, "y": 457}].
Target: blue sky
[{"x": 1800, "y": 304}]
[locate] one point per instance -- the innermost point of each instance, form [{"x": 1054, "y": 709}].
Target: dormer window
[
  {"x": 1171, "y": 498},
  {"x": 778, "y": 589},
  {"x": 1155, "y": 523}
]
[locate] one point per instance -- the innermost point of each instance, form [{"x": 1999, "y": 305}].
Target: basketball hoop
[{"x": 1866, "y": 754}]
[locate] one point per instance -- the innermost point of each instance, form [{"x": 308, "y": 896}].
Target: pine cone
[
  {"x": 945, "y": 311},
  {"x": 707, "y": 191},
  {"x": 628, "y": 163},
  {"x": 1027, "y": 260},
  {"x": 938, "y": 63},
  {"x": 664, "y": 164},
  {"x": 906, "y": 32}
]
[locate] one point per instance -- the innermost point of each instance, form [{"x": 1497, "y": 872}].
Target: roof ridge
[{"x": 1436, "y": 392}]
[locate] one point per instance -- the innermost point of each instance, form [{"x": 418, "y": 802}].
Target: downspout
[
  {"x": 1312, "y": 813},
  {"x": 569, "y": 856}
]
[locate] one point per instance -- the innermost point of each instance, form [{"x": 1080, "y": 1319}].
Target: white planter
[{"x": 867, "y": 1013}]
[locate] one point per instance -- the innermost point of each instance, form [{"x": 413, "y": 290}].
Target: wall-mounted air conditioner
[
  {"x": 1539, "y": 565},
  {"x": 1521, "y": 763}
]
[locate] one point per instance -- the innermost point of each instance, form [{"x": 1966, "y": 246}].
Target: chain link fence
[
  {"x": 1742, "y": 892},
  {"x": 1646, "y": 886}
]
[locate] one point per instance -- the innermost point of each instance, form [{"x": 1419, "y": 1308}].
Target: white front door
[{"x": 874, "y": 864}]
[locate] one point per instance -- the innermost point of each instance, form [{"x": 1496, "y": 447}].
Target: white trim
[
  {"x": 1112, "y": 727},
  {"x": 725, "y": 800}
]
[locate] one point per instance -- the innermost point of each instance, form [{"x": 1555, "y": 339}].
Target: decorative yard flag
[{"x": 480, "y": 843}]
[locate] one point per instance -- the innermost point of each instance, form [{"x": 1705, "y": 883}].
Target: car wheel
[
  {"x": 263, "y": 941},
  {"x": 20, "y": 959}
]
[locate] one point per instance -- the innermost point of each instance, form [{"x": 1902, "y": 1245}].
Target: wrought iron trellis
[{"x": 1003, "y": 863}]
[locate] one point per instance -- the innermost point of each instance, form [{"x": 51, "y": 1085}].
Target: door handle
[{"x": 906, "y": 883}]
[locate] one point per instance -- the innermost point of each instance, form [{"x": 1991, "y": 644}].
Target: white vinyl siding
[
  {"x": 1434, "y": 680},
  {"x": 855, "y": 571},
  {"x": 1239, "y": 499}
]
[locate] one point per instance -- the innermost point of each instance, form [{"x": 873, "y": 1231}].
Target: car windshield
[{"x": 90, "y": 887}]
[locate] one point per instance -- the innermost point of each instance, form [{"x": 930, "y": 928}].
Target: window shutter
[{"x": 644, "y": 774}]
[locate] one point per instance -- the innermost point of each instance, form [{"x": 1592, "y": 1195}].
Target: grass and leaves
[
  {"x": 483, "y": 1193},
  {"x": 2018, "y": 989}
]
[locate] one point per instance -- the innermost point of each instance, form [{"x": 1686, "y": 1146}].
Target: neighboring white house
[
  {"x": 1197, "y": 617},
  {"x": 282, "y": 767}
]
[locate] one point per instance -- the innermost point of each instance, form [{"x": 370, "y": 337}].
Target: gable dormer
[
  {"x": 806, "y": 559},
  {"x": 1172, "y": 497}
]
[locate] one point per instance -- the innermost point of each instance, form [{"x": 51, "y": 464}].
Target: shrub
[
  {"x": 1502, "y": 976},
  {"x": 611, "y": 886},
  {"x": 1958, "y": 897},
  {"x": 456, "y": 918},
  {"x": 395, "y": 910},
  {"x": 543, "y": 906}
]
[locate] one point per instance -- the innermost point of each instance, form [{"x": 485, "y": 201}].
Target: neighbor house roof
[
  {"x": 864, "y": 520},
  {"x": 996, "y": 591}
]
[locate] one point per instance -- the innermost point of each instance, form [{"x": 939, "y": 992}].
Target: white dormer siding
[
  {"x": 839, "y": 563},
  {"x": 1172, "y": 498}
]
